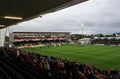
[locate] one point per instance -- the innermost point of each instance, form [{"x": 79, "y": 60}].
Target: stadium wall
[{"x": 2, "y": 36}]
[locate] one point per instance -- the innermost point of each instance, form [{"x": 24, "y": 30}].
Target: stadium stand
[
  {"x": 106, "y": 41},
  {"x": 32, "y": 39},
  {"x": 19, "y": 64}
]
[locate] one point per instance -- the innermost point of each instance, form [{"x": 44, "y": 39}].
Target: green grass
[{"x": 104, "y": 57}]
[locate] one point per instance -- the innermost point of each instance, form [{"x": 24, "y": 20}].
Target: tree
[{"x": 100, "y": 35}]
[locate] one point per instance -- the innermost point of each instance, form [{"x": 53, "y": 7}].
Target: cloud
[{"x": 98, "y": 16}]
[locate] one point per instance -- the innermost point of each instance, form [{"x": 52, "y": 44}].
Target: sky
[{"x": 94, "y": 16}]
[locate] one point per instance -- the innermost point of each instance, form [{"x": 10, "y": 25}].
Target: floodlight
[
  {"x": 2, "y": 25},
  {"x": 13, "y": 17}
]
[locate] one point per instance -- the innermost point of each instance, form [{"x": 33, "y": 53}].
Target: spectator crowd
[{"x": 70, "y": 69}]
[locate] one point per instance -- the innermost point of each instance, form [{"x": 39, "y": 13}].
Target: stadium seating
[{"x": 18, "y": 64}]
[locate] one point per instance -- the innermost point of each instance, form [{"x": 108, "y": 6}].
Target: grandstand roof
[
  {"x": 42, "y": 32},
  {"x": 15, "y": 11}
]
